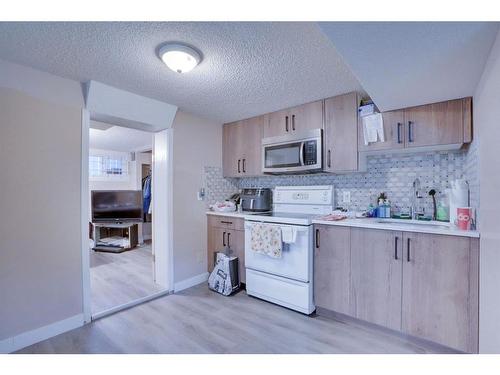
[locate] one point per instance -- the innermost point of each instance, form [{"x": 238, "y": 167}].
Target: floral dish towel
[{"x": 266, "y": 239}]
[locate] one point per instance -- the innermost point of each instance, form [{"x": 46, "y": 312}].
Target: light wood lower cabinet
[
  {"x": 331, "y": 268},
  {"x": 376, "y": 274},
  {"x": 424, "y": 285},
  {"x": 226, "y": 232},
  {"x": 440, "y": 289}
]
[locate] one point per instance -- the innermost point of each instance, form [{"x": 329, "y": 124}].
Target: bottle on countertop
[
  {"x": 387, "y": 206},
  {"x": 380, "y": 208}
]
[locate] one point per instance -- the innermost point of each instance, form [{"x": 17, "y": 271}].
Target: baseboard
[
  {"x": 43, "y": 333},
  {"x": 188, "y": 283}
]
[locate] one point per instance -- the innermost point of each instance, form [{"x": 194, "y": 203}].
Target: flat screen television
[{"x": 116, "y": 206}]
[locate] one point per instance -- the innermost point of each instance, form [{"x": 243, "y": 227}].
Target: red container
[{"x": 464, "y": 218}]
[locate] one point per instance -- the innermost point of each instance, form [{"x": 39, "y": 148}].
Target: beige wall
[
  {"x": 487, "y": 132},
  {"x": 197, "y": 143},
  {"x": 40, "y": 243}
]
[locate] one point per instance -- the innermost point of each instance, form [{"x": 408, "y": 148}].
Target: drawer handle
[
  {"x": 408, "y": 250},
  {"x": 396, "y": 247},
  {"x": 226, "y": 222},
  {"x": 399, "y": 132},
  {"x": 317, "y": 238}
]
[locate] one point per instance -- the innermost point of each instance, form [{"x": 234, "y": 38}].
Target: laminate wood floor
[
  {"x": 197, "y": 320},
  {"x": 116, "y": 279}
]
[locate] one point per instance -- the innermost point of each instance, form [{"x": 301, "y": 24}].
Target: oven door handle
[{"x": 302, "y": 152}]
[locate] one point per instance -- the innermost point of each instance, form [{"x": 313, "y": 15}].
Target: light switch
[{"x": 346, "y": 197}]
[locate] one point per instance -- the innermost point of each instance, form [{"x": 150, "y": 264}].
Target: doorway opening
[{"x": 122, "y": 262}]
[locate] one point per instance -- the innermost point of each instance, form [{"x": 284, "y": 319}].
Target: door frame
[{"x": 163, "y": 266}]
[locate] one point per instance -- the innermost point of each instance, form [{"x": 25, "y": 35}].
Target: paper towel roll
[{"x": 459, "y": 197}]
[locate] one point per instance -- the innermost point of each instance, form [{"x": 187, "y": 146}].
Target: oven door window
[{"x": 287, "y": 155}]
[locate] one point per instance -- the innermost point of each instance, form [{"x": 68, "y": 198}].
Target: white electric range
[{"x": 288, "y": 281}]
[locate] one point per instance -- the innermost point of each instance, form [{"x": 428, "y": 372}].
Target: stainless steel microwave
[{"x": 295, "y": 153}]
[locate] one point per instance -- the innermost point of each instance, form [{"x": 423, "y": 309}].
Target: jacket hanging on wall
[{"x": 146, "y": 194}]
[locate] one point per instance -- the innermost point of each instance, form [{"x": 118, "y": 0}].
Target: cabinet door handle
[
  {"x": 317, "y": 239},
  {"x": 239, "y": 169},
  {"x": 396, "y": 247},
  {"x": 293, "y": 122},
  {"x": 244, "y": 171},
  {"x": 408, "y": 250},
  {"x": 286, "y": 123},
  {"x": 399, "y": 132},
  {"x": 224, "y": 239},
  {"x": 329, "y": 158},
  {"x": 228, "y": 239},
  {"x": 410, "y": 131}
]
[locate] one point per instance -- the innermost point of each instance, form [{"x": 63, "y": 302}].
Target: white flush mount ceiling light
[{"x": 179, "y": 57}]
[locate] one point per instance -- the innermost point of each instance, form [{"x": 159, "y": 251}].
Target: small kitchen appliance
[
  {"x": 256, "y": 199},
  {"x": 293, "y": 153},
  {"x": 288, "y": 279}
]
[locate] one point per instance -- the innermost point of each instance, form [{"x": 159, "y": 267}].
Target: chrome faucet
[{"x": 415, "y": 206}]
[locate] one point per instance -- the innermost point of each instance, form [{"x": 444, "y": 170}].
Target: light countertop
[
  {"x": 408, "y": 226},
  {"x": 229, "y": 214},
  {"x": 375, "y": 223}
]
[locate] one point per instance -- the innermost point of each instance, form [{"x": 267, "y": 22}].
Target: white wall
[
  {"x": 487, "y": 133},
  {"x": 45, "y": 86},
  {"x": 197, "y": 143},
  {"x": 40, "y": 231}
]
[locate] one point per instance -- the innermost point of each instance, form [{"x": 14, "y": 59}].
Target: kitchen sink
[{"x": 433, "y": 224}]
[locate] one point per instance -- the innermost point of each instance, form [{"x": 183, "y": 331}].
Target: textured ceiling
[
  {"x": 247, "y": 68},
  {"x": 402, "y": 64},
  {"x": 117, "y": 138}
]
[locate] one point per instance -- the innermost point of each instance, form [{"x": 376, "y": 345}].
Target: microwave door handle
[{"x": 302, "y": 151}]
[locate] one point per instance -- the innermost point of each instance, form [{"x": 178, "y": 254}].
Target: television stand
[{"x": 115, "y": 237}]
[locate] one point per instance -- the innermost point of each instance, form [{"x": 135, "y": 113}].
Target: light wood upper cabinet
[
  {"x": 435, "y": 124},
  {"x": 232, "y": 144},
  {"x": 394, "y": 133},
  {"x": 376, "y": 274},
  {"x": 295, "y": 120},
  {"x": 307, "y": 116},
  {"x": 241, "y": 149},
  {"x": 440, "y": 289},
  {"x": 332, "y": 257},
  {"x": 279, "y": 123},
  {"x": 430, "y": 125},
  {"x": 341, "y": 133}
]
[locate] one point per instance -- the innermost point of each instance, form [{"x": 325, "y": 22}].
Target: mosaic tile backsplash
[
  {"x": 217, "y": 188},
  {"x": 392, "y": 173}
]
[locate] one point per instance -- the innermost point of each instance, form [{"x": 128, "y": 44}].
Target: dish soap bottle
[{"x": 387, "y": 206}]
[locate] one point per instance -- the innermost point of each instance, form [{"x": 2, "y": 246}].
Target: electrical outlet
[{"x": 346, "y": 197}]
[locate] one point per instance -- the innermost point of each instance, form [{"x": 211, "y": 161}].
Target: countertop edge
[
  {"x": 231, "y": 214},
  {"x": 365, "y": 223},
  {"x": 397, "y": 227}
]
